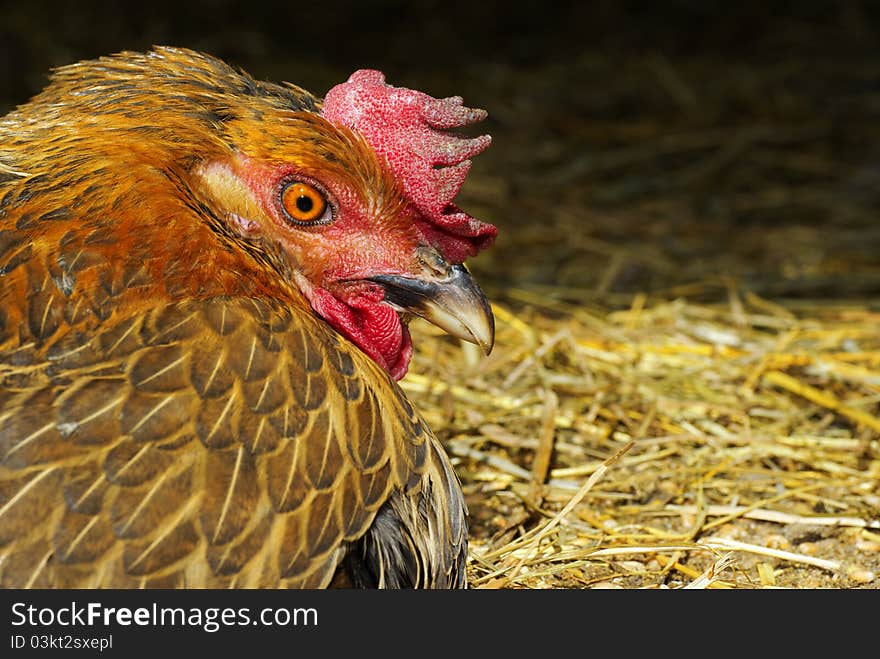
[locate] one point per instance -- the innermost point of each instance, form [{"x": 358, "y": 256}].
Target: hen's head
[
  {"x": 349, "y": 201},
  {"x": 360, "y": 200}
]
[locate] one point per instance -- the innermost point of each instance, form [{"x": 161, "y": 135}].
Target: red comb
[{"x": 408, "y": 128}]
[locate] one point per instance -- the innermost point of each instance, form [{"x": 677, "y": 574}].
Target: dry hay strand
[{"x": 669, "y": 444}]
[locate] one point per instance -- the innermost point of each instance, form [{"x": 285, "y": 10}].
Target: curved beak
[{"x": 447, "y": 296}]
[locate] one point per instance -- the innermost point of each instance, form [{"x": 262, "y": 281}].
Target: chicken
[{"x": 205, "y": 284}]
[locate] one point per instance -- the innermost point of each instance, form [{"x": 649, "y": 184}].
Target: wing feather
[{"x": 219, "y": 442}]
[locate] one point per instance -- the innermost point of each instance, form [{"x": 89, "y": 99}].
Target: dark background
[{"x": 667, "y": 148}]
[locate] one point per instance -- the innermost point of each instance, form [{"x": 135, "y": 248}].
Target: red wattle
[{"x": 372, "y": 325}]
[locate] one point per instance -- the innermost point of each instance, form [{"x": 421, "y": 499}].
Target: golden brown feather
[{"x": 172, "y": 412}]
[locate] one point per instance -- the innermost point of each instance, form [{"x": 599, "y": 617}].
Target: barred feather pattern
[{"x": 217, "y": 443}]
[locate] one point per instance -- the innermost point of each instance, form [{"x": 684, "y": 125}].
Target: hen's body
[{"x": 173, "y": 413}]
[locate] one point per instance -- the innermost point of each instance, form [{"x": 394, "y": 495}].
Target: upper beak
[{"x": 445, "y": 295}]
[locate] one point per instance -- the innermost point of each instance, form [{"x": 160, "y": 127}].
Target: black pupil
[{"x": 304, "y": 204}]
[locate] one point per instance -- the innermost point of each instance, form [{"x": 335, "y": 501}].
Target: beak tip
[
  {"x": 487, "y": 342},
  {"x": 481, "y": 322},
  {"x": 453, "y": 303}
]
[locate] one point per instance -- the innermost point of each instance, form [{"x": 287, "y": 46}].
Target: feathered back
[{"x": 172, "y": 412}]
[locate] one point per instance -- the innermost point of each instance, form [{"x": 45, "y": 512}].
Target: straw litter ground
[
  {"x": 676, "y": 445},
  {"x": 685, "y": 389}
]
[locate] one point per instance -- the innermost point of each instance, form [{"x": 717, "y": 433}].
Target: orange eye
[{"x": 304, "y": 204}]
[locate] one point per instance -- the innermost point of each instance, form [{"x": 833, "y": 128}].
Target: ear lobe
[
  {"x": 244, "y": 227},
  {"x": 232, "y": 197}
]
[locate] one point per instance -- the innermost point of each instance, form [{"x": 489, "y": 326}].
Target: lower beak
[{"x": 446, "y": 296}]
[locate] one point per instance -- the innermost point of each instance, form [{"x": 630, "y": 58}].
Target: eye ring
[{"x": 303, "y": 203}]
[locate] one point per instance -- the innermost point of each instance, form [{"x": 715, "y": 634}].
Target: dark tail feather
[{"x": 417, "y": 540}]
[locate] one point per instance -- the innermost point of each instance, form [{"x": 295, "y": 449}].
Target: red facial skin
[
  {"x": 390, "y": 187},
  {"x": 332, "y": 260}
]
